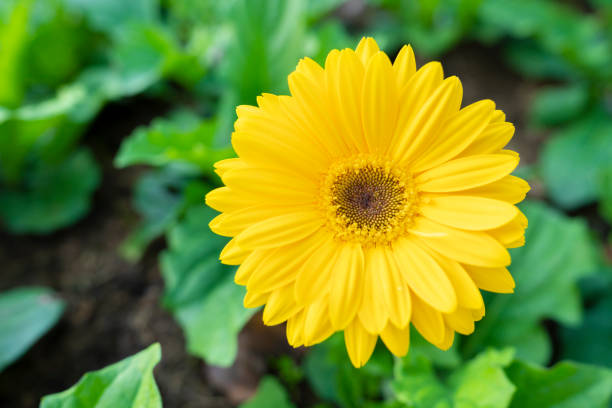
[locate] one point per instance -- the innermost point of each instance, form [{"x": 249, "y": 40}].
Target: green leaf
[
  {"x": 330, "y": 35},
  {"x": 45, "y": 131},
  {"x": 53, "y": 196},
  {"x": 566, "y": 385},
  {"x": 26, "y": 314},
  {"x": 590, "y": 342},
  {"x": 530, "y": 60},
  {"x": 200, "y": 291},
  {"x": 558, "y": 252},
  {"x": 146, "y": 52},
  {"x": 480, "y": 383},
  {"x": 266, "y": 46},
  {"x": 110, "y": 16},
  {"x": 160, "y": 197},
  {"x": 333, "y": 377},
  {"x": 183, "y": 138},
  {"x": 554, "y": 106},
  {"x": 128, "y": 383},
  {"x": 605, "y": 192},
  {"x": 269, "y": 394},
  {"x": 574, "y": 160},
  {"x": 13, "y": 42}
]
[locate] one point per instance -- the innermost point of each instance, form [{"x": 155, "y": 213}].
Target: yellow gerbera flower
[{"x": 368, "y": 200}]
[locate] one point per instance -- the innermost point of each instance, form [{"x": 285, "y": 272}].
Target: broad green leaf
[
  {"x": 53, "y": 196},
  {"x": 558, "y": 252},
  {"x": 554, "y": 106},
  {"x": 573, "y": 161},
  {"x": 183, "y": 138},
  {"x": 26, "y": 314},
  {"x": 110, "y": 16},
  {"x": 200, "y": 291},
  {"x": 480, "y": 383},
  {"x": 45, "y": 131},
  {"x": 13, "y": 43},
  {"x": 145, "y": 53},
  {"x": 319, "y": 8},
  {"x": 333, "y": 377},
  {"x": 566, "y": 385},
  {"x": 56, "y": 31},
  {"x": 160, "y": 197},
  {"x": 530, "y": 60},
  {"x": 558, "y": 30},
  {"x": 270, "y": 393},
  {"x": 126, "y": 384},
  {"x": 590, "y": 342}
]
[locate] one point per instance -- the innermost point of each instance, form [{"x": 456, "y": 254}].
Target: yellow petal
[
  {"x": 252, "y": 300},
  {"x": 346, "y": 290},
  {"x": 427, "y": 321},
  {"x": 280, "y": 231},
  {"x": 468, "y": 212},
  {"x": 252, "y": 262},
  {"x": 412, "y": 97},
  {"x": 509, "y": 188},
  {"x": 276, "y": 270},
  {"x": 303, "y": 128},
  {"x": 447, "y": 341},
  {"x": 272, "y": 150},
  {"x": 379, "y": 103},
  {"x": 460, "y": 320},
  {"x": 396, "y": 293},
  {"x": 310, "y": 93},
  {"x": 417, "y": 138},
  {"x": 404, "y": 66},
  {"x": 456, "y": 134},
  {"x": 470, "y": 247},
  {"x": 492, "y": 139},
  {"x": 466, "y": 172},
  {"x": 498, "y": 116},
  {"x": 345, "y": 83},
  {"x": 468, "y": 295},
  {"x": 313, "y": 278},
  {"x": 373, "y": 313},
  {"x": 423, "y": 274},
  {"x": 224, "y": 199},
  {"x": 232, "y": 254},
  {"x": 280, "y": 306},
  {"x": 497, "y": 280},
  {"x": 272, "y": 185},
  {"x": 512, "y": 234},
  {"x": 359, "y": 343},
  {"x": 317, "y": 326},
  {"x": 366, "y": 48},
  {"x": 396, "y": 340},
  {"x": 295, "y": 329},
  {"x": 232, "y": 223},
  {"x": 223, "y": 166}
]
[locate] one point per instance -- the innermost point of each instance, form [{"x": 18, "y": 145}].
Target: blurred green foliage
[
  {"x": 128, "y": 383},
  {"x": 25, "y": 315},
  {"x": 62, "y": 61}
]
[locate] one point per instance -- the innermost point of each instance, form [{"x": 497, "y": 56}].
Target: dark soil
[{"x": 113, "y": 306}]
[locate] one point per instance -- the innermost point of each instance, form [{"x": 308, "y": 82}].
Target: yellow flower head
[{"x": 369, "y": 199}]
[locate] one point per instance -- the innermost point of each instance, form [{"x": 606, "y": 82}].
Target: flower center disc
[{"x": 367, "y": 200}]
